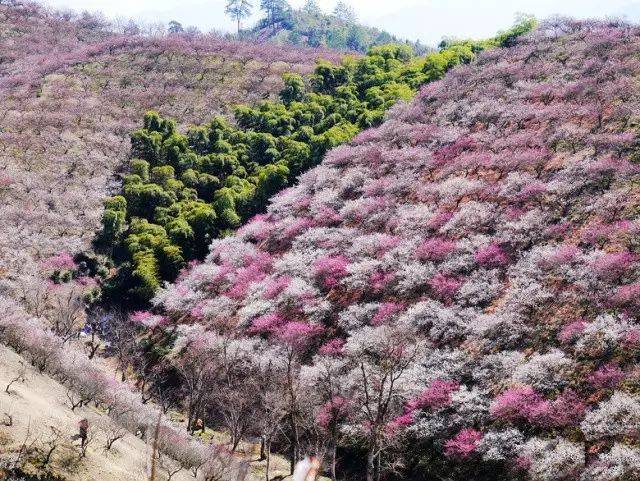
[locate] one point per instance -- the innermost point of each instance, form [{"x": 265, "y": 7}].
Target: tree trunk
[
  {"x": 295, "y": 445},
  {"x": 236, "y": 436},
  {"x": 190, "y": 418},
  {"x": 371, "y": 458},
  {"x": 334, "y": 448},
  {"x": 268, "y": 457},
  {"x": 263, "y": 455}
]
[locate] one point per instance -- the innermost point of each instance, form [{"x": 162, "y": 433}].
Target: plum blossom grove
[
  {"x": 455, "y": 293},
  {"x": 72, "y": 88}
]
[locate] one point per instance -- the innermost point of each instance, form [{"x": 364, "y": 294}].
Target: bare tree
[
  {"x": 50, "y": 445},
  {"x": 234, "y": 401},
  {"x": 26, "y": 447},
  {"x": 8, "y": 419},
  {"x": 170, "y": 466},
  {"x": 379, "y": 363},
  {"x": 21, "y": 376},
  {"x": 273, "y": 406},
  {"x": 198, "y": 365},
  {"x": 34, "y": 293},
  {"x": 112, "y": 432},
  {"x": 68, "y": 311},
  {"x": 93, "y": 330},
  {"x": 121, "y": 335},
  {"x": 74, "y": 400}
]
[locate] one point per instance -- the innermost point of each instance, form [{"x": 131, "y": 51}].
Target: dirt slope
[{"x": 39, "y": 403}]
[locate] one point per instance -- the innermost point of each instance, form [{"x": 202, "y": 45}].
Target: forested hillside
[
  {"x": 184, "y": 190},
  {"x": 453, "y": 294},
  {"x": 71, "y": 91},
  {"x": 311, "y": 26},
  {"x": 417, "y": 267}
]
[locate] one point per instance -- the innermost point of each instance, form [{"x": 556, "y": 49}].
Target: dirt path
[{"x": 39, "y": 403}]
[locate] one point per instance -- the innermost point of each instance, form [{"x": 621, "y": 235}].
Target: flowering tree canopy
[{"x": 472, "y": 262}]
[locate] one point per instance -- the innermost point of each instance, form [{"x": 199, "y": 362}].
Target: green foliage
[
  {"x": 140, "y": 168},
  {"x": 294, "y": 88},
  {"x": 310, "y": 26},
  {"x": 523, "y": 25},
  {"x": 184, "y": 190},
  {"x": 113, "y": 220}
]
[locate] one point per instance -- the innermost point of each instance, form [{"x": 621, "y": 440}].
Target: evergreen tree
[
  {"x": 345, "y": 12},
  {"x": 175, "y": 27},
  {"x": 275, "y": 10},
  {"x": 238, "y": 9},
  {"x": 311, "y": 8}
]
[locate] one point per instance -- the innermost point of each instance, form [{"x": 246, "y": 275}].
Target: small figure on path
[{"x": 83, "y": 429}]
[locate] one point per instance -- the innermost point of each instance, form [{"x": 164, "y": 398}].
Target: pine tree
[
  {"x": 275, "y": 10},
  {"x": 311, "y": 7},
  {"x": 175, "y": 27},
  {"x": 238, "y": 9},
  {"x": 345, "y": 12}
]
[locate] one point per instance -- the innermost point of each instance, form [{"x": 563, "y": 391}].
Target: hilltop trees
[
  {"x": 175, "y": 27},
  {"x": 344, "y": 12},
  {"x": 309, "y": 25},
  {"x": 275, "y": 10},
  {"x": 238, "y": 9}
]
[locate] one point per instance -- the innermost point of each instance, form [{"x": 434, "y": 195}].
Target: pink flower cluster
[
  {"x": 332, "y": 412},
  {"x": 330, "y": 270},
  {"x": 59, "y": 262},
  {"x": 435, "y": 249},
  {"x": 613, "y": 266},
  {"x": 445, "y": 286},
  {"x": 334, "y": 347},
  {"x": 267, "y": 324},
  {"x": 631, "y": 340},
  {"x": 570, "y": 332},
  {"x": 436, "y": 396},
  {"x": 386, "y": 312},
  {"x": 276, "y": 286},
  {"x": 523, "y": 403},
  {"x": 299, "y": 335},
  {"x": 492, "y": 256},
  {"x": 463, "y": 444},
  {"x": 256, "y": 268},
  {"x": 607, "y": 376},
  {"x": 627, "y": 296},
  {"x": 147, "y": 319}
]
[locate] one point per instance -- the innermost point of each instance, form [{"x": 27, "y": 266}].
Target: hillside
[
  {"x": 50, "y": 384},
  {"x": 453, "y": 294},
  {"x": 71, "y": 90},
  {"x": 182, "y": 190},
  {"x": 310, "y": 26},
  {"x": 42, "y": 420}
]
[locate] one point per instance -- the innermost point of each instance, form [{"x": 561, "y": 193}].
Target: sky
[{"x": 425, "y": 20}]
